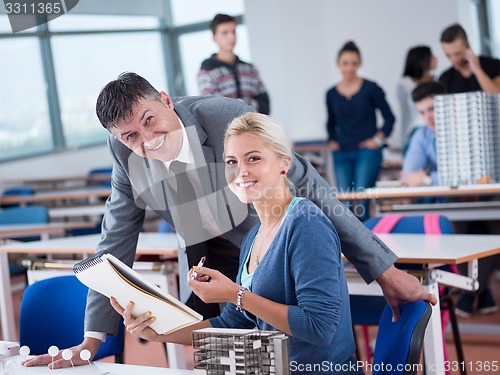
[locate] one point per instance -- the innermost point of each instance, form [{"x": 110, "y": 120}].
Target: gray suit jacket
[{"x": 138, "y": 183}]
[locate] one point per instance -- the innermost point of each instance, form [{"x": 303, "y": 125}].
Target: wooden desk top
[
  {"x": 410, "y": 248},
  {"x": 59, "y": 179},
  {"x": 72, "y": 211},
  {"x": 441, "y": 249},
  {"x": 49, "y": 196},
  {"x": 149, "y": 243},
  {"x": 22, "y": 230},
  {"x": 97, "y": 368},
  {"x": 421, "y": 191}
]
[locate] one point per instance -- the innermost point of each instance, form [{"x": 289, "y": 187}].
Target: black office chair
[
  {"x": 399, "y": 345},
  {"x": 52, "y": 313}
]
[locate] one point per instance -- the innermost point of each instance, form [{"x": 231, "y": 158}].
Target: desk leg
[
  {"x": 176, "y": 356},
  {"x": 9, "y": 331},
  {"x": 433, "y": 340},
  {"x": 175, "y": 353}
]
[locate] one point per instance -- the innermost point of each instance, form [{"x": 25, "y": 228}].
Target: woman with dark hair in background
[
  {"x": 354, "y": 137},
  {"x": 419, "y": 67}
]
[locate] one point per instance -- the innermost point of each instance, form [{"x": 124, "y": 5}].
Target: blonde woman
[{"x": 291, "y": 276}]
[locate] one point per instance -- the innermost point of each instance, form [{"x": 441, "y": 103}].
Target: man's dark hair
[
  {"x": 454, "y": 32},
  {"x": 427, "y": 89},
  {"x": 117, "y": 98},
  {"x": 417, "y": 61},
  {"x": 219, "y": 19},
  {"x": 350, "y": 46}
]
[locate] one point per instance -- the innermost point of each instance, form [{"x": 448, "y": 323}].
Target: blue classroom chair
[
  {"x": 431, "y": 223},
  {"x": 34, "y": 214},
  {"x": 399, "y": 345},
  {"x": 52, "y": 313}
]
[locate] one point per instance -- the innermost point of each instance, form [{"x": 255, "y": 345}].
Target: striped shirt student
[{"x": 224, "y": 74}]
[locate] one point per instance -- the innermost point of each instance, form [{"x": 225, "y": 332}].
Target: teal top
[{"x": 246, "y": 278}]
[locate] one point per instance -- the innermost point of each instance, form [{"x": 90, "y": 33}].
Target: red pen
[{"x": 194, "y": 274}]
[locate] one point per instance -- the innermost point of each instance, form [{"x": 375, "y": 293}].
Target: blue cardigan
[
  {"x": 351, "y": 121},
  {"x": 302, "y": 269}
]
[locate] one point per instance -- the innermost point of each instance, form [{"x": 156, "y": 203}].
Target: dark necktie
[
  {"x": 184, "y": 187},
  {"x": 190, "y": 223}
]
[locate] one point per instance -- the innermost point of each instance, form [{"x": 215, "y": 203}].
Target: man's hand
[
  {"x": 88, "y": 343},
  {"x": 400, "y": 287},
  {"x": 473, "y": 60},
  {"x": 416, "y": 178}
]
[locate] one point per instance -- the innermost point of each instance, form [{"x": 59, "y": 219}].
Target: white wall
[{"x": 294, "y": 44}]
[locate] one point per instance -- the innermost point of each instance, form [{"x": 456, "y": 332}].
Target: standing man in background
[
  {"x": 468, "y": 72},
  {"x": 224, "y": 74},
  {"x": 472, "y": 73}
]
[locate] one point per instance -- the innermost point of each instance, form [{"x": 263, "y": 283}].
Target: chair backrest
[
  {"x": 18, "y": 190},
  {"x": 100, "y": 171},
  {"x": 430, "y": 224},
  {"x": 165, "y": 227},
  {"x": 399, "y": 345},
  {"x": 52, "y": 313},
  {"x": 24, "y": 215}
]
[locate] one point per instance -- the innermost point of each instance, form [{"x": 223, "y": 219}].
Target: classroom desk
[
  {"x": 43, "y": 230},
  {"x": 421, "y": 192},
  {"x": 77, "y": 211},
  {"x": 149, "y": 243},
  {"x": 54, "y": 182},
  {"x": 432, "y": 251},
  {"x": 454, "y": 211},
  {"x": 164, "y": 244},
  {"x": 54, "y": 196},
  {"x": 96, "y": 368}
]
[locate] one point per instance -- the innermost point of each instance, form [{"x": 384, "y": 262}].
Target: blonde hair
[{"x": 267, "y": 129}]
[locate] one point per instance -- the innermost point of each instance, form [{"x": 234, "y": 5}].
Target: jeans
[{"x": 357, "y": 170}]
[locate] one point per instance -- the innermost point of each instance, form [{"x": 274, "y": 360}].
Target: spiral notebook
[{"x": 107, "y": 275}]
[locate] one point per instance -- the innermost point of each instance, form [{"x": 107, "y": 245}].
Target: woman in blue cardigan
[
  {"x": 291, "y": 275},
  {"x": 354, "y": 137}
]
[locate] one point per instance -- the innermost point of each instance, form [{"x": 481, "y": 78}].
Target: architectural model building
[
  {"x": 240, "y": 351},
  {"x": 467, "y": 138}
]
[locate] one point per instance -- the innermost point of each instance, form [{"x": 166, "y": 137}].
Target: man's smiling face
[{"x": 153, "y": 130}]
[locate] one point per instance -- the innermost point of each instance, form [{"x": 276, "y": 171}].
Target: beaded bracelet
[{"x": 239, "y": 297}]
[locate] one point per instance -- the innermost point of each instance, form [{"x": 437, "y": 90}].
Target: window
[
  {"x": 193, "y": 11},
  {"x": 84, "y": 63},
  {"x": 24, "y": 119},
  {"x": 494, "y": 15},
  {"x": 72, "y": 22}
]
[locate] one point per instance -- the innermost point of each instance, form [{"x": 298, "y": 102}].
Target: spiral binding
[{"x": 90, "y": 262}]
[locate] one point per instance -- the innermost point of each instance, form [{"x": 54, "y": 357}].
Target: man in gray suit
[{"x": 150, "y": 133}]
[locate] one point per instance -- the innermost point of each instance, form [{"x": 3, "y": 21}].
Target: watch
[{"x": 379, "y": 141}]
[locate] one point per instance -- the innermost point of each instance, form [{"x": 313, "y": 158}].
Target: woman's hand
[
  {"x": 212, "y": 286},
  {"x": 137, "y": 326},
  {"x": 333, "y": 146},
  {"x": 369, "y": 143},
  {"x": 374, "y": 143}
]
